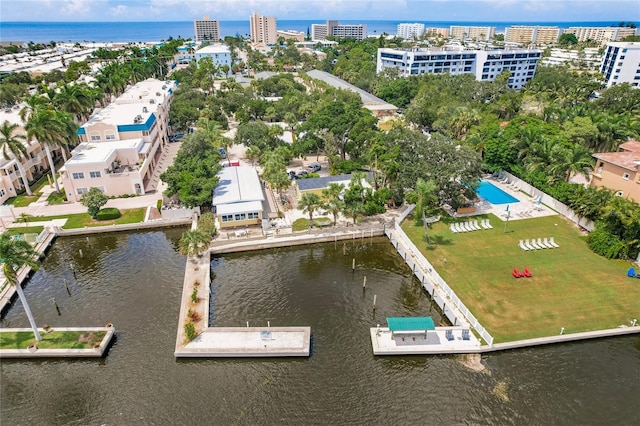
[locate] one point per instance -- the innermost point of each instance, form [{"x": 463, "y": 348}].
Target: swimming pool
[{"x": 493, "y": 194}]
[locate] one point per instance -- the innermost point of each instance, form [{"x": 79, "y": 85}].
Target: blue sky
[{"x": 401, "y": 10}]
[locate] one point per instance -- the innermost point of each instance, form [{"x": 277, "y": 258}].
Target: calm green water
[{"x": 134, "y": 280}]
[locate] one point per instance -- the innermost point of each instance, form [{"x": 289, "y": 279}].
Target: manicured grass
[
  {"x": 302, "y": 224},
  {"x": 80, "y": 220},
  {"x": 51, "y": 340},
  {"x": 571, "y": 287},
  {"x": 28, "y": 230},
  {"x": 24, "y": 200},
  {"x": 55, "y": 198}
]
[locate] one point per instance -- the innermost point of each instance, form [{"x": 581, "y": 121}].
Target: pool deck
[{"x": 249, "y": 342}]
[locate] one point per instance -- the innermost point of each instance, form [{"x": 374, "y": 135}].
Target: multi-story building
[
  {"x": 291, "y": 35},
  {"x": 333, "y": 28},
  {"x": 526, "y": 34},
  {"x": 220, "y": 54},
  {"x": 621, "y": 64},
  {"x": 437, "y": 32},
  {"x": 589, "y": 58},
  {"x": 206, "y": 30},
  {"x": 263, "y": 29},
  {"x": 601, "y": 35},
  {"x": 486, "y": 65},
  {"x": 410, "y": 31},
  {"x": 472, "y": 33},
  {"x": 122, "y": 143},
  {"x": 619, "y": 171},
  {"x": 33, "y": 166}
]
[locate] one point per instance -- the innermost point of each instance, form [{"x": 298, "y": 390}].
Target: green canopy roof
[{"x": 410, "y": 323}]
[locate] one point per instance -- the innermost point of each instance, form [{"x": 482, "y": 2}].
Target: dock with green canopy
[{"x": 410, "y": 324}]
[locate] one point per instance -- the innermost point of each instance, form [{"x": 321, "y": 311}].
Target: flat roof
[
  {"x": 214, "y": 48},
  {"x": 241, "y": 207},
  {"x": 99, "y": 152},
  {"x": 237, "y": 185},
  {"x": 367, "y": 98},
  {"x": 310, "y": 184},
  {"x": 410, "y": 323}
]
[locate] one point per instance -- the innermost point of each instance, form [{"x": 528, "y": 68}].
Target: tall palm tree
[
  {"x": 572, "y": 160},
  {"x": 333, "y": 203},
  {"x": 426, "y": 198},
  {"x": 74, "y": 99},
  {"x": 13, "y": 148},
  {"x": 53, "y": 129},
  {"x": 310, "y": 203},
  {"x": 14, "y": 255}
]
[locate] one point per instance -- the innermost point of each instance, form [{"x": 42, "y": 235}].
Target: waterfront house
[
  {"x": 238, "y": 198},
  {"x": 619, "y": 171}
]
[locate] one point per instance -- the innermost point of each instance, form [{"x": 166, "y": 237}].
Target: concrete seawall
[{"x": 123, "y": 227}]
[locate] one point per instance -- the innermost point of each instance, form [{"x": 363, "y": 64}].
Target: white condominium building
[
  {"x": 486, "y": 65},
  {"x": 410, "y": 31},
  {"x": 472, "y": 33},
  {"x": 122, "y": 143},
  {"x": 526, "y": 34},
  {"x": 602, "y": 35},
  {"x": 588, "y": 57},
  {"x": 263, "y": 29},
  {"x": 333, "y": 28},
  {"x": 621, "y": 64},
  {"x": 206, "y": 30}
]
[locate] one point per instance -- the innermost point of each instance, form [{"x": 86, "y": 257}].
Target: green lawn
[
  {"x": 24, "y": 200},
  {"x": 302, "y": 224},
  {"x": 55, "y": 198},
  {"x": 28, "y": 230},
  {"x": 571, "y": 287},
  {"x": 80, "y": 220},
  {"x": 52, "y": 340}
]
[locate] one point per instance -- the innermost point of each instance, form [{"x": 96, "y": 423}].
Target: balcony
[{"x": 122, "y": 169}]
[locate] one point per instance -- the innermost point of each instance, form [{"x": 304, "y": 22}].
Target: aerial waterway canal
[{"x": 135, "y": 281}]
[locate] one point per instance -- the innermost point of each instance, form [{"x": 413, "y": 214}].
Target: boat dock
[
  {"x": 249, "y": 342},
  {"x": 431, "y": 342}
]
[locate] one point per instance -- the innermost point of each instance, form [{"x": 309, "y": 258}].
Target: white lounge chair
[
  {"x": 467, "y": 226},
  {"x": 553, "y": 243},
  {"x": 529, "y": 246},
  {"x": 547, "y": 243},
  {"x": 458, "y": 227},
  {"x": 452, "y": 228},
  {"x": 476, "y": 226},
  {"x": 483, "y": 223},
  {"x": 522, "y": 246},
  {"x": 487, "y": 224},
  {"x": 535, "y": 245},
  {"x": 541, "y": 244}
]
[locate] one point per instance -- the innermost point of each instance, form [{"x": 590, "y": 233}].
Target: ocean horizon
[{"x": 39, "y": 32}]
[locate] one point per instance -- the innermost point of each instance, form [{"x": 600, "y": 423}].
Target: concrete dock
[
  {"x": 432, "y": 342},
  {"x": 249, "y": 342},
  {"x": 95, "y": 352}
]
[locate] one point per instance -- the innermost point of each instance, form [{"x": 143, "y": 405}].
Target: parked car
[
  {"x": 176, "y": 137},
  {"x": 292, "y": 174},
  {"x": 222, "y": 152},
  {"x": 302, "y": 174},
  {"x": 313, "y": 168}
]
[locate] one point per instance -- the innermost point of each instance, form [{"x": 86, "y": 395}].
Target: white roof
[
  {"x": 87, "y": 152},
  {"x": 237, "y": 185},
  {"x": 214, "y": 48}
]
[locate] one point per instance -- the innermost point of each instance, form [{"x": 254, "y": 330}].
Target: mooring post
[
  {"x": 53, "y": 299},
  {"x": 66, "y": 286},
  {"x": 344, "y": 249},
  {"x": 81, "y": 254},
  {"x": 375, "y": 296},
  {"x": 353, "y": 265},
  {"x": 364, "y": 283}
]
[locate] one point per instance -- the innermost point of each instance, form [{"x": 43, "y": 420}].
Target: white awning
[{"x": 233, "y": 208}]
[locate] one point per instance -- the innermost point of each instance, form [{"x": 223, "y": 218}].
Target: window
[
  {"x": 95, "y": 137},
  {"x": 626, "y": 176},
  {"x": 110, "y": 137},
  {"x": 81, "y": 191},
  {"x": 94, "y": 174},
  {"x": 227, "y": 218},
  {"x": 77, "y": 175},
  {"x": 241, "y": 216},
  {"x": 253, "y": 215}
]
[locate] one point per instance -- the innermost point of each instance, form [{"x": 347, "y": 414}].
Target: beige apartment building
[
  {"x": 206, "y": 30},
  {"x": 620, "y": 171},
  {"x": 437, "y": 32},
  {"x": 472, "y": 33},
  {"x": 602, "y": 35},
  {"x": 122, "y": 143},
  {"x": 291, "y": 35},
  {"x": 33, "y": 166},
  {"x": 526, "y": 34},
  {"x": 263, "y": 29}
]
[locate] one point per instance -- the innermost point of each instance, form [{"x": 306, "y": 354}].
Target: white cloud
[{"x": 119, "y": 10}]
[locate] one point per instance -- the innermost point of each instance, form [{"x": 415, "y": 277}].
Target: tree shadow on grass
[{"x": 437, "y": 240}]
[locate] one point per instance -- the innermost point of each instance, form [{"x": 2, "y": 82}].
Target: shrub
[
  {"x": 607, "y": 244},
  {"x": 108, "y": 213},
  {"x": 207, "y": 224},
  {"x": 190, "y": 331},
  {"x": 193, "y": 315},
  {"x": 159, "y": 205},
  {"x": 346, "y": 167},
  {"x": 194, "y": 295}
]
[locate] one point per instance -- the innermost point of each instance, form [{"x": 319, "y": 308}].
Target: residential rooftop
[
  {"x": 237, "y": 185},
  {"x": 88, "y": 152}
]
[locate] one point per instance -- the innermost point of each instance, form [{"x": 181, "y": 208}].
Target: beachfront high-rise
[
  {"x": 263, "y": 29},
  {"x": 333, "y": 28},
  {"x": 601, "y": 35},
  {"x": 486, "y": 65},
  {"x": 121, "y": 144},
  {"x": 410, "y": 31},
  {"x": 471, "y": 32},
  {"x": 206, "y": 30},
  {"x": 532, "y": 34},
  {"x": 621, "y": 64}
]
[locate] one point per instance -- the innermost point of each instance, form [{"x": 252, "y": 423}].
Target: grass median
[
  {"x": 571, "y": 286},
  {"x": 51, "y": 339}
]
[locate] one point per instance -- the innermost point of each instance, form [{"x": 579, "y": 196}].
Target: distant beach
[{"x": 155, "y": 31}]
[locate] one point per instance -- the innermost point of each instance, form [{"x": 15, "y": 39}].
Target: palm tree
[
  {"x": 74, "y": 99},
  {"x": 15, "y": 254},
  {"x": 333, "y": 204},
  {"x": 309, "y": 203},
  {"x": 572, "y": 160},
  {"x": 193, "y": 242},
  {"x": 14, "y": 148},
  {"x": 426, "y": 198},
  {"x": 52, "y": 129}
]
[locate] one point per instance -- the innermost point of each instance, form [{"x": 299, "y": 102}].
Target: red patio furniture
[
  {"x": 517, "y": 273},
  {"x": 527, "y": 273}
]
